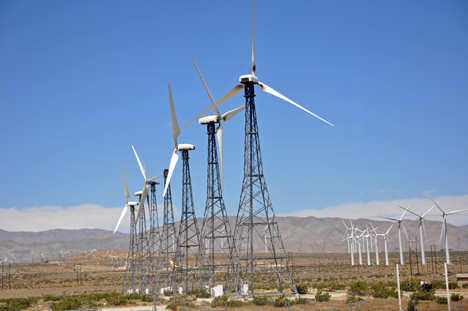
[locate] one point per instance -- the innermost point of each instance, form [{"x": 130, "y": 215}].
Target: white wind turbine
[
  {"x": 359, "y": 242},
  {"x": 177, "y": 147},
  {"x": 252, "y": 78},
  {"x": 147, "y": 181},
  {"x": 444, "y": 227},
  {"x": 350, "y": 240},
  {"x": 218, "y": 119},
  {"x": 421, "y": 229},
  {"x": 348, "y": 229},
  {"x": 400, "y": 224},
  {"x": 367, "y": 236},
  {"x": 374, "y": 237},
  {"x": 386, "y": 241},
  {"x": 127, "y": 204}
]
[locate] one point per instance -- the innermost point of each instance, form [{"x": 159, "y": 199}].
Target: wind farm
[{"x": 342, "y": 203}]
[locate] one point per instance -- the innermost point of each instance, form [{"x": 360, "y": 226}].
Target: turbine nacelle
[
  {"x": 182, "y": 147},
  {"x": 248, "y": 78},
  {"x": 138, "y": 193},
  {"x": 209, "y": 119},
  {"x": 133, "y": 203}
]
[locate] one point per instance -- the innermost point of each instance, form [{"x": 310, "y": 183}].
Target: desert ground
[{"x": 331, "y": 273}]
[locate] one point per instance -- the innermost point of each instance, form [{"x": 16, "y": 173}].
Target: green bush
[
  {"x": 219, "y": 301},
  {"x": 438, "y": 284},
  {"x": 46, "y": 298},
  {"x": 410, "y": 285},
  {"x": 18, "y": 303},
  {"x": 359, "y": 287},
  {"x": 441, "y": 300},
  {"x": 379, "y": 290},
  {"x": 116, "y": 299},
  {"x": 301, "y": 289},
  {"x": 202, "y": 293},
  {"x": 300, "y": 301},
  {"x": 180, "y": 302},
  {"x": 260, "y": 300},
  {"x": 453, "y": 285},
  {"x": 69, "y": 303},
  {"x": 423, "y": 295},
  {"x": 411, "y": 306},
  {"x": 322, "y": 297},
  {"x": 456, "y": 297},
  {"x": 465, "y": 285},
  {"x": 235, "y": 303},
  {"x": 281, "y": 301}
]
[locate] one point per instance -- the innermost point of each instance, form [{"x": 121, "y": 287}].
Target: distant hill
[
  {"x": 54, "y": 235},
  {"x": 300, "y": 234}
]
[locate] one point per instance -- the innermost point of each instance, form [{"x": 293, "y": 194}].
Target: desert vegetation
[{"x": 324, "y": 281}]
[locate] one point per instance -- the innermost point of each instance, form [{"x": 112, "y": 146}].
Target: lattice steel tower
[
  {"x": 168, "y": 239},
  {"x": 154, "y": 242},
  {"x": 256, "y": 225},
  {"x": 131, "y": 273},
  {"x": 188, "y": 239},
  {"x": 216, "y": 236}
]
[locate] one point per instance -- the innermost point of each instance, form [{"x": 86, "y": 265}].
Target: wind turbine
[
  {"x": 367, "y": 236},
  {"x": 147, "y": 182},
  {"x": 217, "y": 119},
  {"x": 255, "y": 206},
  {"x": 399, "y": 220},
  {"x": 421, "y": 229},
  {"x": 347, "y": 235},
  {"x": 374, "y": 238},
  {"x": 215, "y": 216},
  {"x": 188, "y": 239},
  {"x": 386, "y": 241},
  {"x": 444, "y": 227},
  {"x": 127, "y": 204}
]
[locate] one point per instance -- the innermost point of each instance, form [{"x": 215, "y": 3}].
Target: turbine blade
[
  {"x": 456, "y": 212},
  {"x": 121, "y": 217},
  {"x": 394, "y": 219},
  {"x": 424, "y": 229},
  {"x": 344, "y": 224},
  {"x": 142, "y": 169},
  {"x": 405, "y": 230},
  {"x": 268, "y": 89},
  {"x": 409, "y": 211},
  {"x": 442, "y": 231},
  {"x": 389, "y": 229},
  {"x": 172, "y": 165},
  {"x": 406, "y": 210},
  {"x": 206, "y": 88},
  {"x": 155, "y": 177},
  {"x": 219, "y": 136},
  {"x": 230, "y": 114},
  {"x": 175, "y": 124},
  {"x": 254, "y": 67},
  {"x": 443, "y": 212},
  {"x": 424, "y": 215},
  {"x": 127, "y": 194},
  {"x": 142, "y": 202},
  {"x": 230, "y": 94}
]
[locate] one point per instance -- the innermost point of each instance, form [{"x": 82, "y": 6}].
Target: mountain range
[{"x": 300, "y": 234}]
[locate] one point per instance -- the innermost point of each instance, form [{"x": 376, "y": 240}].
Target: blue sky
[{"x": 83, "y": 81}]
